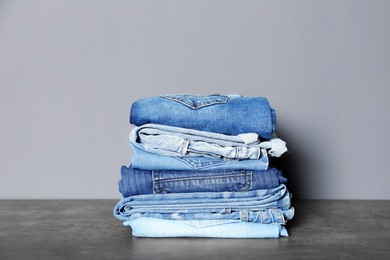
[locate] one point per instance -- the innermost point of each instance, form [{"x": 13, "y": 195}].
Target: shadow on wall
[{"x": 295, "y": 165}]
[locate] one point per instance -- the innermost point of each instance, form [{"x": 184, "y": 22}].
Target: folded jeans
[
  {"x": 150, "y": 161},
  {"x": 178, "y": 141},
  {"x": 226, "y": 114},
  {"x": 260, "y": 206},
  {"x": 155, "y": 227},
  {"x": 139, "y": 181}
]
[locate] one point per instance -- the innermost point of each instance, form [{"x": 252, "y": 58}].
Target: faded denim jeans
[
  {"x": 177, "y": 141},
  {"x": 138, "y": 181},
  {"x": 226, "y": 114},
  {"x": 155, "y": 227},
  {"x": 259, "y": 206},
  {"x": 151, "y": 161}
]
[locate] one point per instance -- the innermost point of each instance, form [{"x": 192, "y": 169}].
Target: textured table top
[{"x": 86, "y": 229}]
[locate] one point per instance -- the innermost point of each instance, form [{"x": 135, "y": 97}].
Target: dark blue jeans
[{"x": 137, "y": 181}]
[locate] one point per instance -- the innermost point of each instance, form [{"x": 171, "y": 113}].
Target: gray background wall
[{"x": 69, "y": 71}]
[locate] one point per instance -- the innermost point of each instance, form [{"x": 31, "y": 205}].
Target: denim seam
[
  {"x": 202, "y": 103},
  {"x": 203, "y": 177},
  {"x": 196, "y": 165},
  {"x": 248, "y": 183},
  {"x": 156, "y": 186},
  {"x": 250, "y": 174}
]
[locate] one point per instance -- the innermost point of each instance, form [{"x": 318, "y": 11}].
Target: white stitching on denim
[
  {"x": 232, "y": 175},
  {"x": 250, "y": 180},
  {"x": 198, "y": 165},
  {"x": 220, "y": 99},
  {"x": 248, "y": 183}
]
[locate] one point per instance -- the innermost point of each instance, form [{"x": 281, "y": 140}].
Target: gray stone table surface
[{"x": 86, "y": 229}]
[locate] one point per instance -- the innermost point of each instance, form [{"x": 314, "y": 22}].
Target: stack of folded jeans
[{"x": 200, "y": 168}]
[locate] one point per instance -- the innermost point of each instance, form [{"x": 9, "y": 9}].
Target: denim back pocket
[
  {"x": 200, "y": 162},
  {"x": 201, "y": 181},
  {"x": 196, "y": 101}
]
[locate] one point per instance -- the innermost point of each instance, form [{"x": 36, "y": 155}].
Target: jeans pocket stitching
[
  {"x": 203, "y": 101},
  {"x": 193, "y": 163}
]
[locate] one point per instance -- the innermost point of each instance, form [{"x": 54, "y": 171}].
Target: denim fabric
[
  {"x": 138, "y": 181},
  {"x": 150, "y": 161},
  {"x": 177, "y": 141},
  {"x": 259, "y": 206},
  {"x": 154, "y": 227},
  {"x": 225, "y": 114}
]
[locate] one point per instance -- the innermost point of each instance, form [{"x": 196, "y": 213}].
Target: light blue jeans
[
  {"x": 259, "y": 206},
  {"x": 138, "y": 181},
  {"x": 177, "y": 141},
  {"x": 150, "y": 161},
  {"x": 155, "y": 227},
  {"x": 226, "y": 114}
]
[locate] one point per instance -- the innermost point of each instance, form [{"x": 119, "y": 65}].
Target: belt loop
[
  {"x": 244, "y": 215},
  {"x": 184, "y": 146}
]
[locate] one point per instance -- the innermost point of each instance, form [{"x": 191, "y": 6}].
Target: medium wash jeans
[
  {"x": 259, "y": 206},
  {"x": 150, "y": 161},
  {"x": 177, "y": 141},
  {"x": 226, "y": 114},
  {"x": 138, "y": 181},
  {"x": 155, "y": 227}
]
